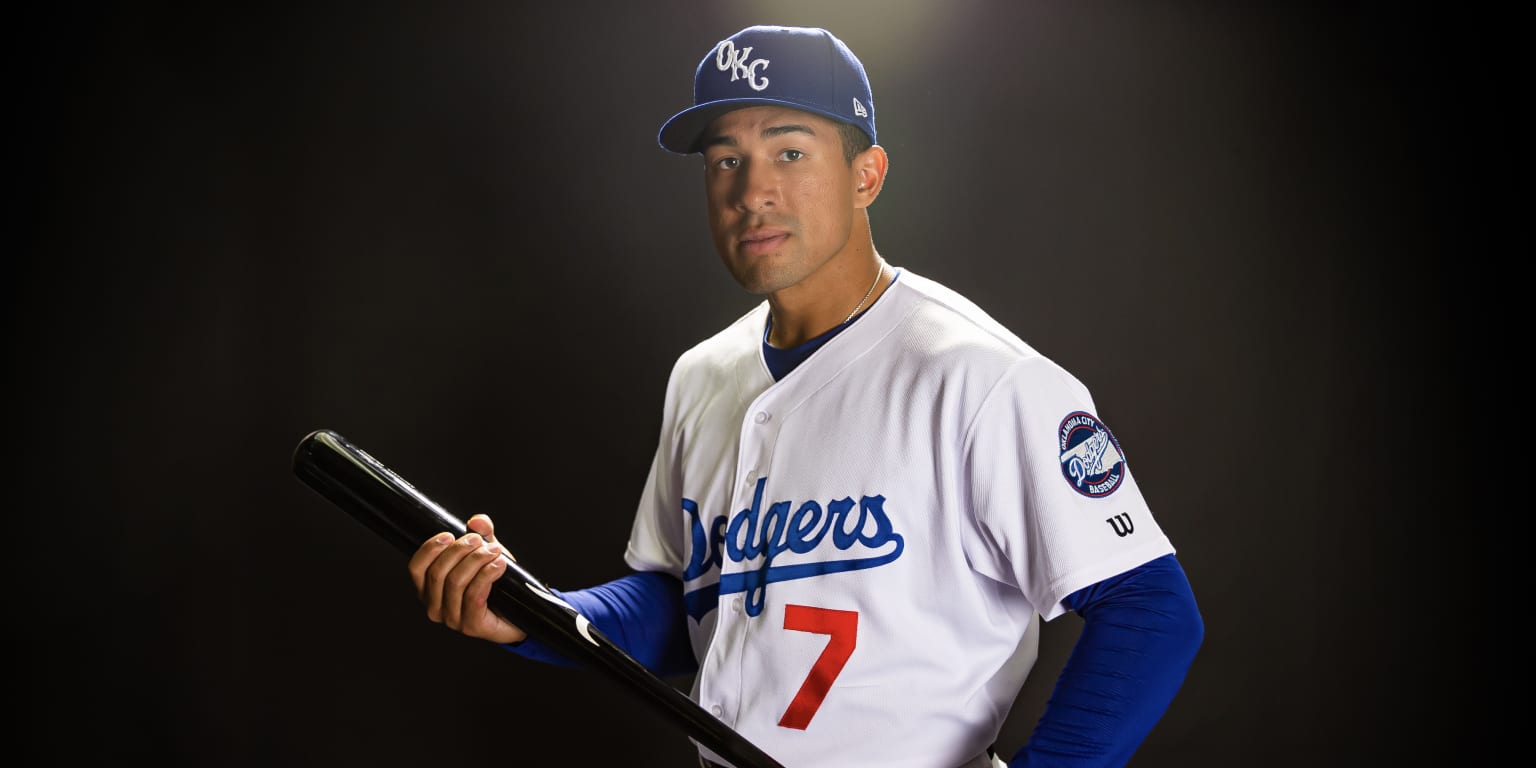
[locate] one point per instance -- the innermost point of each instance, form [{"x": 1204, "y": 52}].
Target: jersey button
[
  {"x": 751, "y": 477},
  {"x": 716, "y": 710},
  {"x": 761, "y": 417},
  {"x": 736, "y": 605}
]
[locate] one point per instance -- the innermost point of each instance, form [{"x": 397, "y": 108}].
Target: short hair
[{"x": 855, "y": 140}]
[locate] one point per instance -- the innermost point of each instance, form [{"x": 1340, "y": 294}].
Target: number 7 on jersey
[{"x": 842, "y": 627}]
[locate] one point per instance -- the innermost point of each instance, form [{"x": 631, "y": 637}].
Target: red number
[{"x": 843, "y": 627}]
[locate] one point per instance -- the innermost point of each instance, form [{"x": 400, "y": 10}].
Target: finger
[
  {"x": 487, "y": 530},
  {"x": 422, "y": 560},
  {"x": 476, "y": 607},
  {"x": 458, "y": 580},
  {"x": 482, "y": 525},
  {"x": 437, "y": 591}
]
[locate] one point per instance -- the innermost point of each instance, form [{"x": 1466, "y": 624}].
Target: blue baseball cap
[{"x": 804, "y": 68}]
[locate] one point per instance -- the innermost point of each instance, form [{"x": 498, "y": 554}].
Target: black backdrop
[{"x": 445, "y": 231}]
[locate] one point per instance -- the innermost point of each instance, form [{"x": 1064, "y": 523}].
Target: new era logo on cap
[{"x": 800, "y": 67}]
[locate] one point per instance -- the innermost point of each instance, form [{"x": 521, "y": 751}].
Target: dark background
[{"x": 446, "y": 231}]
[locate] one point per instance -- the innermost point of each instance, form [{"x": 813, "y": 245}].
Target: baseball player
[{"x": 867, "y": 493}]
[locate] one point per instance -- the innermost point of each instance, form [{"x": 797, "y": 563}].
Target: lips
[{"x": 763, "y": 240}]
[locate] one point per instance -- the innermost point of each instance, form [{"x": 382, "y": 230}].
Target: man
[{"x": 867, "y": 492}]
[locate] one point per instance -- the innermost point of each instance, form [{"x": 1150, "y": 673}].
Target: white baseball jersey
[{"x": 867, "y": 546}]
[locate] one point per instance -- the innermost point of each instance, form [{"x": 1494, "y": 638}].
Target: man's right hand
[{"x": 453, "y": 578}]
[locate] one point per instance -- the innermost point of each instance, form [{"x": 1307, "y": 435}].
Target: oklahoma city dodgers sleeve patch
[{"x": 1091, "y": 459}]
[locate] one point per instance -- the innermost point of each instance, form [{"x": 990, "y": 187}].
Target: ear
[{"x": 869, "y": 169}]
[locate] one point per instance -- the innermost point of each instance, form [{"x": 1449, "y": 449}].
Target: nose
[{"x": 757, "y": 187}]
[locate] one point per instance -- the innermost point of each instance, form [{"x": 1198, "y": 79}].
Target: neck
[{"x": 854, "y": 290}]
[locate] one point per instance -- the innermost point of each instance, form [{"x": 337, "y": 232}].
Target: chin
[
  {"x": 754, "y": 285},
  {"x": 752, "y": 275}
]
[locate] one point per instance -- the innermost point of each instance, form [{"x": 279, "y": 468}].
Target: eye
[
  {"x": 727, "y": 163},
  {"x": 791, "y": 155}
]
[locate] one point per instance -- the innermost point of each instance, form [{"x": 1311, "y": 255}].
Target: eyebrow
[{"x": 768, "y": 133}]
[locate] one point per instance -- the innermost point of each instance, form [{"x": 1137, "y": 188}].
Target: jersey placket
[{"x": 723, "y": 683}]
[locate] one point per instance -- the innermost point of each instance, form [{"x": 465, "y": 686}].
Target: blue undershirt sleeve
[
  {"x": 1141, "y": 630},
  {"x": 641, "y": 613}
]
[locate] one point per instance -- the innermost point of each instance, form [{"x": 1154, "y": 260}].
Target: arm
[
  {"x": 641, "y": 613},
  {"x": 1141, "y": 630}
]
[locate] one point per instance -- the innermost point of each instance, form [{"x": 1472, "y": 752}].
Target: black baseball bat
[{"x": 397, "y": 511}]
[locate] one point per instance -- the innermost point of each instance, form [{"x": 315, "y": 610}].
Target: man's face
[{"x": 780, "y": 194}]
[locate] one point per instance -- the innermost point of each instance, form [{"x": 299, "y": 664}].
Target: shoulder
[
  {"x": 941, "y": 321},
  {"x": 944, "y": 330},
  {"x": 723, "y": 352},
  {"x": 743, "y": 334}
]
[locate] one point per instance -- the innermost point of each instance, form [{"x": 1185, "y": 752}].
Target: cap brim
[{"x": 685, "y": 131}]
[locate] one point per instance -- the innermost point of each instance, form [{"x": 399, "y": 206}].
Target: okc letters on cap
[{"x": 805, "y": 68}]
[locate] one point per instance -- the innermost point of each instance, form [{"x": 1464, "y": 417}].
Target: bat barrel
[{"x": 370, "y": 492}]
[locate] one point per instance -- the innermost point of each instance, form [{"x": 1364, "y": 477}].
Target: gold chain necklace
[{"x": 879, "y": 271}]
